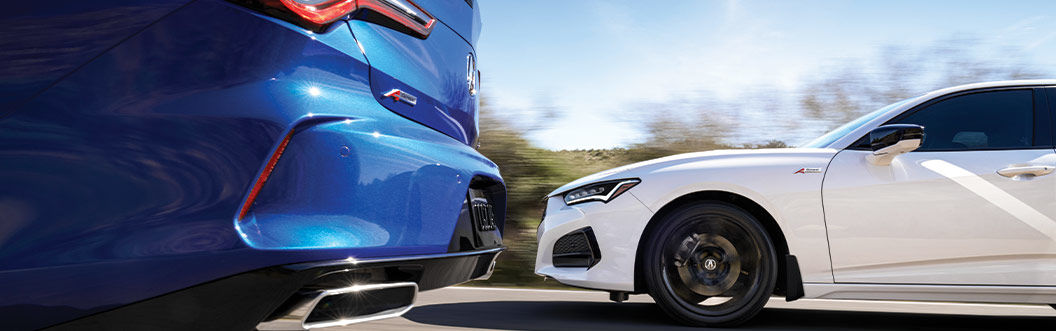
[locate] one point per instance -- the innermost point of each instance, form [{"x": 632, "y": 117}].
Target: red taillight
[
  {"x": 320, "y": 12},
  {"x": 264, "y": 175},
  {"x": 404, "y": 12}
]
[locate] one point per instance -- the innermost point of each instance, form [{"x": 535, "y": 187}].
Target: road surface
[{"x": 465, "y": 308}]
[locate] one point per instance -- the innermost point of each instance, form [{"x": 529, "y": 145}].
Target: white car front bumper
[{"x": 617, "y": 227}]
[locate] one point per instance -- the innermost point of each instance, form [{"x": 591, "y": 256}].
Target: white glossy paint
[
  {"x": 941, "y": 218},
  {"x": 764, "y": 176},
  {"x": 944, "y": 221},
  {"x": 998, "y": 197},
  {"x": 614, "y": 223}
]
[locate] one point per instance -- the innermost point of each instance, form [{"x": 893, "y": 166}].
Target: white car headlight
[{"x": 603, "y": 191}]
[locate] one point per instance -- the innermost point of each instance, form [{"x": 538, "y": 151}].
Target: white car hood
[{"x": 638, "y": 170}]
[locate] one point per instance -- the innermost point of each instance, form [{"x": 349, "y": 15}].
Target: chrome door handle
[{"x": 1035, "y": 170}]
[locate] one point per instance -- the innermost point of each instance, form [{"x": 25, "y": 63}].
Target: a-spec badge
[
  {"x": 401, "y": 96},
  {"x": 808, "y": 171}
]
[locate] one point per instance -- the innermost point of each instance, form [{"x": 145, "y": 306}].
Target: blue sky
[{"x": 590, "y": 61}]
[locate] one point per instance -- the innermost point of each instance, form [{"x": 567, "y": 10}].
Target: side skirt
[{"x": 951, "y": 293}]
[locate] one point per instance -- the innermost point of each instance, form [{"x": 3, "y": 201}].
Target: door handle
[{"x": 1035, "y": 170}]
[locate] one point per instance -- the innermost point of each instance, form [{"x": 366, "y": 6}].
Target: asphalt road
[{"x": 462, "y": 308}]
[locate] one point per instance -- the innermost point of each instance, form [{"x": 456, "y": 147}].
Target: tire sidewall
[{"x": 669, "y": 302}]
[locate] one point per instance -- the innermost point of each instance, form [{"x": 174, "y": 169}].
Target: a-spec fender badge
[
  {"x": 808, "y": 171},
  {"x": 401, "y": 96}
]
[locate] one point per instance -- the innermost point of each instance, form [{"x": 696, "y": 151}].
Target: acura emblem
[
  {"x": 710, "y": 264},
  {"x": 472, "y": 74}
]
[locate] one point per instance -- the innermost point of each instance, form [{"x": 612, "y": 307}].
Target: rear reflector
[{"x": 264, "y": 175}]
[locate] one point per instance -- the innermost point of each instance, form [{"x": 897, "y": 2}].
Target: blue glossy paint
[
  {"x": 434, "y": 69},
  {"x": 457, "y": 15},
  {"x": 364, "y": 183},
  {"x": 40, "y": 41},
  {"x": 123, "y": 180}
]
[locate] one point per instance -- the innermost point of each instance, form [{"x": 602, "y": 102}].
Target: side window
[
  {"x": 1050, "y": 100},
  {"x": 978, "y": 121}
]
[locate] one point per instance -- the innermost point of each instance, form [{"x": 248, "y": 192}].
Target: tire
[{"x": 710, "y": 264}]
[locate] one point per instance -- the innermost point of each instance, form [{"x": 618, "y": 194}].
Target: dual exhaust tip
[{"x": 348, "y": 305}]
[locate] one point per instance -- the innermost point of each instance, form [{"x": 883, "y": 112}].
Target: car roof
[{"x": 1000, "y": 83}]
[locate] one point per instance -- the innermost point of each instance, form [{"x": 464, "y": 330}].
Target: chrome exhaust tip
[
  {"x": 348, "y": 305},
  {"x": 491, "y": 270}
]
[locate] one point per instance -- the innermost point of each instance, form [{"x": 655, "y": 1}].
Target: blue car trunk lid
[{"x": 430, "y": 81}]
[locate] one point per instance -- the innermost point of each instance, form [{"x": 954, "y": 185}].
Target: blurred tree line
[
  {"x": 839, "y": 93},
  {"x": 531, "y": 172}
]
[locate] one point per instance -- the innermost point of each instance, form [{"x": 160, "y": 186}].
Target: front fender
[{"x": 792, "y": 197}]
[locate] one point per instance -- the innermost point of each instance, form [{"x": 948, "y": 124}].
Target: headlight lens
[{"x": 604, "y": 191}]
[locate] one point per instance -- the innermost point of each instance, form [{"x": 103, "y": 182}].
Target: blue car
[{"x": 210, "y": 164}]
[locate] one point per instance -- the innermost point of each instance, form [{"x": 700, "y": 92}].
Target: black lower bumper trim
[{"x": 242, "y": 301}]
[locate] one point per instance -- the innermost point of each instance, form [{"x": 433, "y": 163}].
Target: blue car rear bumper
[{"x": 123, "y": 181}]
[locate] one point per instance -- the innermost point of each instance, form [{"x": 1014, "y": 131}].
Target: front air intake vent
[
  {"x": 577, "y": 249},
  {"x": 573, "y": 243}
]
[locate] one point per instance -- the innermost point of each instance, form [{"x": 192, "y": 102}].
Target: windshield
[{"x": 843, "y": 130}]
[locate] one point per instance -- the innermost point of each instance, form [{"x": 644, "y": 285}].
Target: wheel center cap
[{"x": 711, "y": 264}]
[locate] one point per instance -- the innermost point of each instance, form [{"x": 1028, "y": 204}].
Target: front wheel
[{"x": 710, "y": 264}]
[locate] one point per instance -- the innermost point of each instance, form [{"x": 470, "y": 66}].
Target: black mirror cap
[{"x": 887, "y": 135}]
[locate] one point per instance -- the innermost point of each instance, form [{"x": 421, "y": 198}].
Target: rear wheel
[{"x": 710, "y": 264}]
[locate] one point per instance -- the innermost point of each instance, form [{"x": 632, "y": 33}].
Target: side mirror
[{"x": 892, "y": 140}]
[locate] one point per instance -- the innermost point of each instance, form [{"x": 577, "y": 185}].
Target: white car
[{"x": 948, "y": 196}]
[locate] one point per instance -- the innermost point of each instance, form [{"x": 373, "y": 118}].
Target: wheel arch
[{"x": 768, "y": 221}]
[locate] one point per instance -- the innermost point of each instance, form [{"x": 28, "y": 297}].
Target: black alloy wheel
[{"x": 710, "y": 264}]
